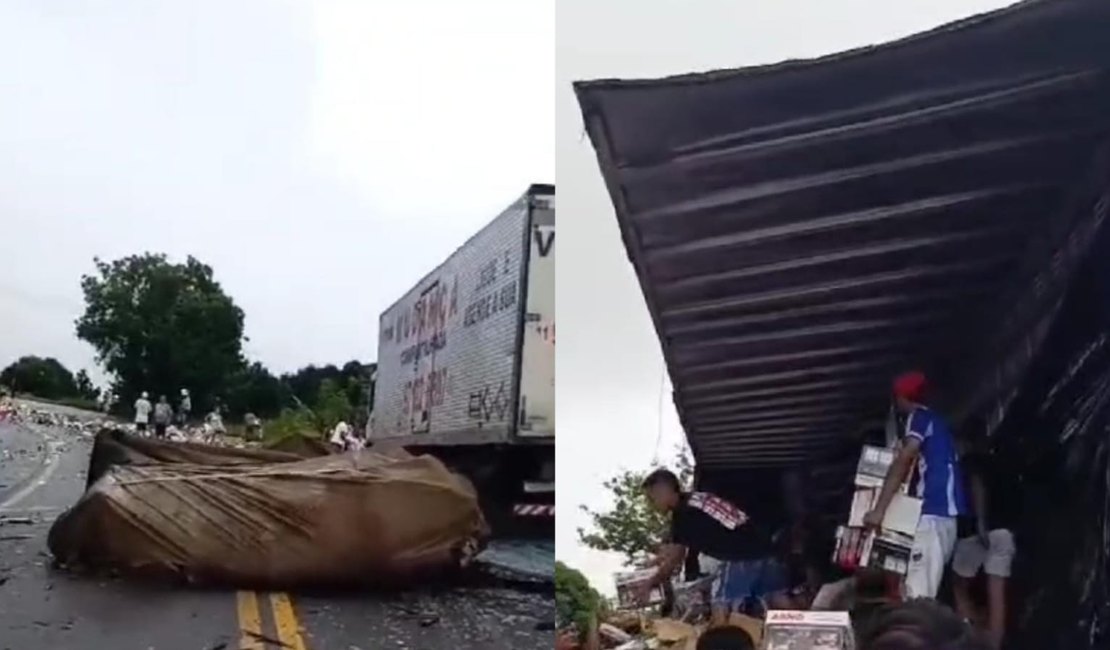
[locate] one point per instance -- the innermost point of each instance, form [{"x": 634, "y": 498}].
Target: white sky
[
  {"x": 321, "y": 156},
  {"x": 609, "y": 363}
]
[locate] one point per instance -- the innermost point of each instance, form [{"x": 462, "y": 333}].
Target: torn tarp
[
  {"x": 360, "y": 518},
  {"x": 116, "y": 447}
]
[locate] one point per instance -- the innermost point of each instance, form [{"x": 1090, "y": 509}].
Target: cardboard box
[
  {"x": 626, "y": 581},
  {"x": 890, "y": 547},
  {"x": 799, "y": 630}
]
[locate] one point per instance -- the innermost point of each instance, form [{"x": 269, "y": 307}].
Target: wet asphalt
[{"x": 42, "y": 472}]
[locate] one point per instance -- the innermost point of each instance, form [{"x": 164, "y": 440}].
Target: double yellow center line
[{"x": 251, "y": 634}]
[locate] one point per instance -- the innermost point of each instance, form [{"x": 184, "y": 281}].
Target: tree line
[{"x": 159, "y": 326}]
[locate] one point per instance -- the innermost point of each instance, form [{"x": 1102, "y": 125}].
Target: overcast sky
[
  {"x": 321, "y": 156},
  {"x": 609, "y": 364}
]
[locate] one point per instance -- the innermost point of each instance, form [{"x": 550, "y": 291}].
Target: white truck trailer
[{"x": 466, "y": 361}]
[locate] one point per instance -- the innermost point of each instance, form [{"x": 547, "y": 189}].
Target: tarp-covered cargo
[
  {"x": 804, "y": 231},
  {"x": 358, "y": 518},
  {"x": 116, "y": 447}
]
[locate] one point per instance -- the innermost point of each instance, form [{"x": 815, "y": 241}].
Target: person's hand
[
  {"x": 873, "y": 520},
  {"x": 983, "y": 534}
]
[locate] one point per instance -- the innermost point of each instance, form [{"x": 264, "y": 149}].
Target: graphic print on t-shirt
[{"x": 725, "y": 513}]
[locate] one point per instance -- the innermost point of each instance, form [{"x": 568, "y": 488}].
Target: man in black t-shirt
[
  {"x": 986, "y": 538},
  {"x": 721, "y": 532}
]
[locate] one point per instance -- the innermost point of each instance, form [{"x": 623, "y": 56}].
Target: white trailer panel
[
  {"x": 447, "y": 362},
  {"x": 537, "y": 377}
]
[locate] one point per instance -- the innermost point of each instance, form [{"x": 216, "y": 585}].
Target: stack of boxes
[{"x": 889, "y": 547}]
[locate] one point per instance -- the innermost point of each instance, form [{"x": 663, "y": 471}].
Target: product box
[
  {"x": 626, "y": 581},
  {"x": 799, "y": 630},
  {"x": 873, "y": 465},
  {"x": 889, "y": 548}
]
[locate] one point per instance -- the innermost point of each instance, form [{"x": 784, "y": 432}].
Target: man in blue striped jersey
[{"x": 929, "y": 446}]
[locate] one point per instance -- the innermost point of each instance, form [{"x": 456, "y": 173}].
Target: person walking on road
[
  {"x": 929, "y": 445},
  {"x": 142, "y": 412},
  {"x": 184, "y": 408},
  {"x": 163, "y": 415}
]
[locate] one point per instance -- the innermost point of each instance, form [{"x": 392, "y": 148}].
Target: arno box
[{"x": 800, "y": 630}]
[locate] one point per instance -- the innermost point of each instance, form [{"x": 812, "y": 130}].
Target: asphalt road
[{"x": 42, "y": 473}]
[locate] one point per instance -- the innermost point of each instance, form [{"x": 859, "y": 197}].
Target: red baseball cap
[{"x": 911, "y": 385}]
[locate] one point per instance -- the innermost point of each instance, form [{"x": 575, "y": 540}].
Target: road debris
[{"x": 356, "y": 518}]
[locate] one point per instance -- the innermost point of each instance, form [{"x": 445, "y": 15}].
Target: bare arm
[
  {"x": 979, "y": 499},
  {"x": 898, "y": 472},
  {"x": 669, "y": 559}
]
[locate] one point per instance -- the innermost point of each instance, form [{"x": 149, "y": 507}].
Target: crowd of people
[
  {"x": 162, "y": 415},
  {"x": 965, "y": 527}
]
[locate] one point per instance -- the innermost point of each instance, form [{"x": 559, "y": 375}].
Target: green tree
[
  {"x": 576, "y": 601},
  {"x": 630, "y": 526},
  {"x": 253, "y": 389},
  {"x": 84, "y": 385},
  {"x": 332, "y": 405},
  {"x": 159, "y": 326},
  {"x": 42, "y": 377}
]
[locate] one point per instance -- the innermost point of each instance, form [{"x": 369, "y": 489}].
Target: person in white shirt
[
  {"x": 142, "y": 412},
  {"x": 185, "y": 408},
  {"x": 339, "y": 435}
]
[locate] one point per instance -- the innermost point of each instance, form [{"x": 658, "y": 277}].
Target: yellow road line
[
  {"x": 285, "y": 619},
  {"x": 249, "y": 620}
]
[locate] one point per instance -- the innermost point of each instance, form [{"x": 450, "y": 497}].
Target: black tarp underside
[{"x": 802, "y": 232}]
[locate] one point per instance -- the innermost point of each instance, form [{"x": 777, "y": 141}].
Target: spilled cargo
[{"x": 267, "y": 519}]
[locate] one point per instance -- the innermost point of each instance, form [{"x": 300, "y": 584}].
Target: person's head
[
  {"x": 162, "y": 399},
  {"x": 184, "y": 392},
  {"x": 725, "y": 638},
  {"x": 909, "y": 390},
  {"x": 919, "y": 624},
  {"x": 662, "y": 489},
  {"x": 145, "y": 395}
]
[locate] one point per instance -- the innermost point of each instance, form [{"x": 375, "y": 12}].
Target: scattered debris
[{"x": 629, "y": 630}]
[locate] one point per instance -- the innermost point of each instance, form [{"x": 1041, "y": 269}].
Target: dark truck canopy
[{"x": 804, "y": 231}]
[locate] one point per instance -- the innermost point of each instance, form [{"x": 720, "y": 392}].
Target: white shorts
[
  {"x": 970, "y": 555},
  {"x": 932, "y": 548}
]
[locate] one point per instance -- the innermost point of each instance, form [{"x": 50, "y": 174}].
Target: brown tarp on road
[
  {"x": 359, "y": 518},
  {"x": 116, "y": 447}
]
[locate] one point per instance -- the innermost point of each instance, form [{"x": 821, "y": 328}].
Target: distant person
[
  {"x": 213, "y": 425},
  {"x": 163, "y": 416},
  {"x": 340, "y": 435},
  {"x": 253, "y": 426},
  {"x": 185, "y": 408},
  {"x": 986, "y": 538},
  {"x": 929, "y": 446},
  {"x": 720, "y": 531},
  {"x": 919, "y": 624},
  {"x": 142, "y": 412}
]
